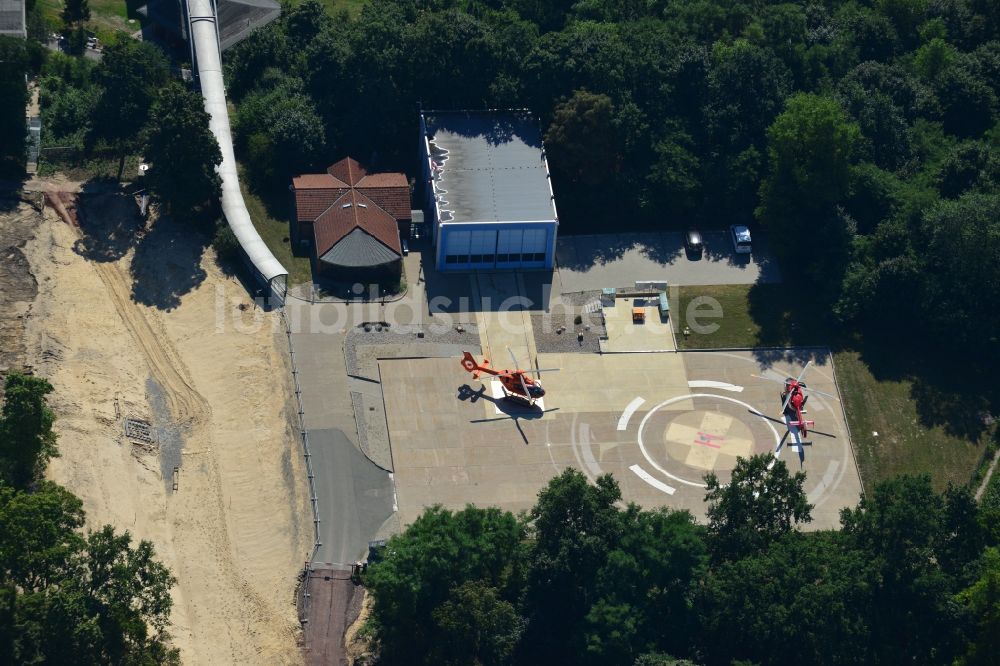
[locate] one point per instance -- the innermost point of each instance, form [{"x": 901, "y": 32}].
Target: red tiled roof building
[{"x": 351, "y": 218}]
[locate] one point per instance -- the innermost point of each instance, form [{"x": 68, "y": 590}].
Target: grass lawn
[
  {"x": 275, "y": 235},
  {"x": 353, "y": 7},
  {"x": 903, "y": 444},
  {"x": 736, "y": 328},
  {"x": 86, "y": 168},
  {"x": 752, "y": 316},
  {"x": 107, "y": 17},
  {"x": 758, "y": 316}
]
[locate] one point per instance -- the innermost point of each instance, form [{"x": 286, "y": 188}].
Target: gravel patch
[
  {"x": 166, "y": 434},
  {"x": 409, "y": 338},
  {"x": 559, "y": 332},
  {"x": 580, "y": 298}
]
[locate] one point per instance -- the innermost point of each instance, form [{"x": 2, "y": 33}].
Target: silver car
[{"x": 740, "y": 236}]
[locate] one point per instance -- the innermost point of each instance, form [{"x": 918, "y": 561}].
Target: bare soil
[
  {"x": 18, "y": 286},
  {"x": 129, "y": 320}
]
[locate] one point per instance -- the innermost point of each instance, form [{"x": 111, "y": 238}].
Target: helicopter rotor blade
[
  {"x": 825, "y": 395},
  {"x": 770, "y": 379},
  {"x": 784, "y": 405},
  {"x": 765, "y": 416},
  {"x": 798, "y": 380},
  {"x": 803, "y": 373},
  {"x": 524, "y": 385},
  {"x": 781, "y": 443},
  {"x": 513, "y": 358},
  {"x": 539, "y": 371}
]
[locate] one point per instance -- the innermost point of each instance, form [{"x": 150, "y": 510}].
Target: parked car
[
  {"x": 740, "y": 236},
  {"x": 406, "y": 248},
  {"x": 694, "y": 243}
]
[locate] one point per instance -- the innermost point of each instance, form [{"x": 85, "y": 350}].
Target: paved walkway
[
  {"x": 354, "y": 496},
  {"x": 986, "y": 478},
  {"x": 504, "y": 321},
  {"x": 590, "y": 263}
]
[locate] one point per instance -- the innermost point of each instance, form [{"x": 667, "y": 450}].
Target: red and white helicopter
[
  {"x": 521, "y": 391},
  {"x": 793, "y": 405},
  {"x": 517, "y": 384}
]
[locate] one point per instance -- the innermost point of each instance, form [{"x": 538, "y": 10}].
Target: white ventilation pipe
[{"x": 204, "y": 36}]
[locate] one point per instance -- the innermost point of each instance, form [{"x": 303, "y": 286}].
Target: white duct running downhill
[{"x": 205, "y": 39}]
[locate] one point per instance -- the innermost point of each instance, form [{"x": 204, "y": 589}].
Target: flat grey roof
[
  {"x": 238, "y": 18},
  {"x": 12, "y": 18},
  {"x": 491, "y": 166}
]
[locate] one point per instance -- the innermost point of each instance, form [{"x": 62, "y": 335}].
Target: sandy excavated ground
[{"x": 118, "y": 341}]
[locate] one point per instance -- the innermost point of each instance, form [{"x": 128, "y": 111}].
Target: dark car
[{"x": 694, "y": 243}]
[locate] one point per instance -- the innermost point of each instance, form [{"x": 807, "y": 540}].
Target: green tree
[
  {"x": 643, "y": 591},
  {"x": 131, "y": 73},
  {"x": 182, "y": 150},
  {"x": 75, "y": 11},
  {"x": 575, "y": 525},
  {"x": 13, "y": 100},
  {"x": 874, "y": 196},
  {"x": 548, "y": 14},
  {"x": 582, "y": 139},
  {"x": 905, "y": 14},
  {"x": 934, "y": 58},
  {"x": 962, "y": 239},
  {"x": 476, "y": 626},
  {"x": 969, "y": 104},
  {"x": 280, "y": 129},
  {"x": 804, "y": 599},
  {"x": 304, "y": 22},
  {"x": 982, "y": 599},
  {"x": 38, "y": 535},
  {"x": 70, "y": 599},
  {"x": 971, "y": 165},
  {"x": 26, "y": 438},
  {"x": 661, "y": 659},
  {"x": 675, "y": 178},
  {"x": 761, "y": 502},
  {"x": 901, "y": 528},
  {"x": 437, "y": 554},
  {"x": 885, "y": 138},
  {"x": 810, "y": 147},
  {"x": 747, "y": 85},
  {"x": 246, "y": 61},
  {"x": 872, "y": 34}
]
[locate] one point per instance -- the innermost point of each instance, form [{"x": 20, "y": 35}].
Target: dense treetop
[
  {"x": 68, "y": 597},
  {"x": 912, "y": 577},
  {"x": 859, "y": 132}
]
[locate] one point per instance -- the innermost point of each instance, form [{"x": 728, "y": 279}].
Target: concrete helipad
[{"x": 657, "y": 422}]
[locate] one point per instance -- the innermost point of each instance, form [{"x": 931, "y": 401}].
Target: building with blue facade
[{"x": 489, "y": 197}]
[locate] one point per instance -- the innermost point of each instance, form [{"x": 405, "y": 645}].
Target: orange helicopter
[{"x": 516, "y": 384}]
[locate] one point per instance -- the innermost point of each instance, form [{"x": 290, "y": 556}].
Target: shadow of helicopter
[{"x": 512, "y": 410}]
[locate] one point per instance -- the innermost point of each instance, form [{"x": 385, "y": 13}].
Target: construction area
[{"x": 172, "y": 404}]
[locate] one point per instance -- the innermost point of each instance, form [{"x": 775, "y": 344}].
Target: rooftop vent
[{"x": 346, "y": 205}]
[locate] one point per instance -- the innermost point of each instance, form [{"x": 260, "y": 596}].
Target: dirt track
[{"x": 188, "y": 407}]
